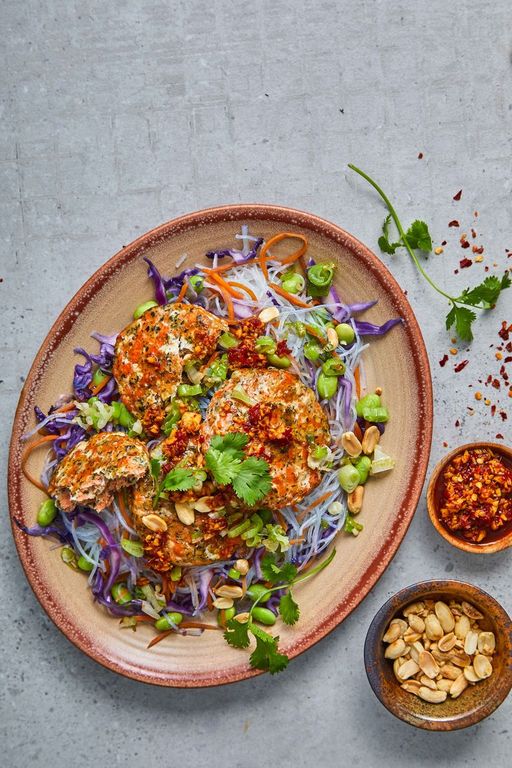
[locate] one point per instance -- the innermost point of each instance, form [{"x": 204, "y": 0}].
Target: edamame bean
[
  {"x": 121, "y": 593},
  {"x": 162, "y": 624},
  {"x": 348, "y": 478},
  {"x": 84, "y": 564},
  {"x": 144, "y": 308},
  {"x": 197, "y": 283},
  {"x": 292, "y": 282},
  {"x": 47, "y": 513},
  {"x": 327, "y": 386},
  {"x": 312, "y": 351},
  {"x": 333, "y": 366},
  {"x": 379, "y": 414},
  {"x": 363, "y": 464},
  {"x": 233, "y": 574},
  {"x": 368, "y": 401},
  {"x": 263, "y": 616},
  {"x": 279, "y": 362},
  {"x": 258, "y": 592},
  {"x": 346, "y": 333}
]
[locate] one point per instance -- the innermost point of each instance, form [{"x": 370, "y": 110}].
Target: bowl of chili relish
[{"x": 469, "y": 497}]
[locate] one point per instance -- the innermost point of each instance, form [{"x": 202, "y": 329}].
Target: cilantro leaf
[
  {"x": 486, "y": 294},
  {"x": 237, "y": 634},
  {"x": 384, "y": 244},
  {"x": 275, "y": 574},
  {"x": 155, "y": 467},
  {"x": 231, "y": 444},
  {"x": 179, "y": 479},
  {"x": 223, "y": 466},
  {"x": 266, "y": 655},
  {"x": 419, "y": 237},
  {"x": 288, "y": 609},
  {"x": 463, "y": 318},
  {"x": 252, "y": 480}
]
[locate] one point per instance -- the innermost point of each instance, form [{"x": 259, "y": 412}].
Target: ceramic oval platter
[{"x": 396, "y": 362}]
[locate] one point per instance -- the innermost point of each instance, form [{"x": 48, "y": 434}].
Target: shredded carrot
[
  {"x": 358, "y": 432},
  {"x": 223, "y": 284},
  {"x": 313, "y": 332},
  {"x": 197, "y": 625},
  {"x": 357, "y": 377},
  {"x": 165, "y": 587},
  {"x": 263, "y": 258},
  {"x": 244, "y": 585},
  {"x": 24, "y": 458},
  {"x": 159, "y": 637},
  {"x": 124, "y": 510},
  {"x": 222, "y": 618},
  {"x": 142, "y": 581},
  {"x": 290, "y": 297},
  {"x": 66, "y": 407},
  {"x": 99, "y": 387},
  {"x": 320, "y": 499},
  {"x": 297, "y": 541},
  {"x": 280, "y": 519},
  {"x": 183, "y": 290},
  {"x": 210, "y": 360},
  {"x": 245, "y": 288},
  {"x": 143, "y": 617}
]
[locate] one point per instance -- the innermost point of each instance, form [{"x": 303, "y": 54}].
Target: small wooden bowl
[
  {"x": 477, "y": 701},
  {"x": 498, "y": 541}
]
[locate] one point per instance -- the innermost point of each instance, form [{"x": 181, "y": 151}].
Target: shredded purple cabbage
[
  {"x": 369, "y": 329},
  {"x": 49, "y": 530},
  {"x": 361, "y": 307},
  {"x": 237, "y": 256},
  {"x": 158, "y": 282}
]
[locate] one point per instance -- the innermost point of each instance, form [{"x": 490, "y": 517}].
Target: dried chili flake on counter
[
  {"x": 465, "y": 263},
  {"x": 454, "y": 223},
  {"x": 477, "y": 494},
  {"x": 458, "y": 195},
  {"x": 443, "y": 361},
  {"x": 460, "y": 366}
]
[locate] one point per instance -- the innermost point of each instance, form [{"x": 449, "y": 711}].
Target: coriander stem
[
  {"x": 297, "y": 580},
  {"x": 401, "y": 232}
]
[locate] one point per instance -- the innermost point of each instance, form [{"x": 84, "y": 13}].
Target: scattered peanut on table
[{"x": 438, "y": 649}]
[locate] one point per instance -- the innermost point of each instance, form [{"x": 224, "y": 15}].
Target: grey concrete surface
[{"x": 118, "y": 116}]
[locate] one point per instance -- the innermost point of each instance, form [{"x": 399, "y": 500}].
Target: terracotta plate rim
[{"x": 235, "y": 212}]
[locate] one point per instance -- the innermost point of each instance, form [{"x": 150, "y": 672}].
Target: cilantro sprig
[
  {"x": 267, "y": 656},
  {"x": 226, "y": 461},
  {"x": 417, "y": 237},
  {"x": 178, "y": 479}
]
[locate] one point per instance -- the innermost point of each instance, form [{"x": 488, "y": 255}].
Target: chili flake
[{"x": 477, "y": 494}]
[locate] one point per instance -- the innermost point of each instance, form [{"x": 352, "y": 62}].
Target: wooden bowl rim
[{"x": 375, "y": 661}]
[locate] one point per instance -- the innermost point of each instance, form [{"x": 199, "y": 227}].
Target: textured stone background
[{"x": 118, "y": 116}]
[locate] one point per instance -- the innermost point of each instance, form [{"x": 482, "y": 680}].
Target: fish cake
[
  {"x": 284, "y": 421},
  {"x": 151, "y": 352},
  {"x": 92, "y": 472}
]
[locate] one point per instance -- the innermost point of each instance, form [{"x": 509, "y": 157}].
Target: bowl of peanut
[{"x": 438, "y": 655}]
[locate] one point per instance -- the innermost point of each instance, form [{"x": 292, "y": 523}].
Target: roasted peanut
[
  {"x": 351, "y": 444},
  {"x": 371, "y": 438}
]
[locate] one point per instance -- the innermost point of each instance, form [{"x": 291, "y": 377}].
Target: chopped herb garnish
[
  {"x": 225, "y": 459},
  {"x": 266, "y": 655},
  {"x": 417, "y": 237}
]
